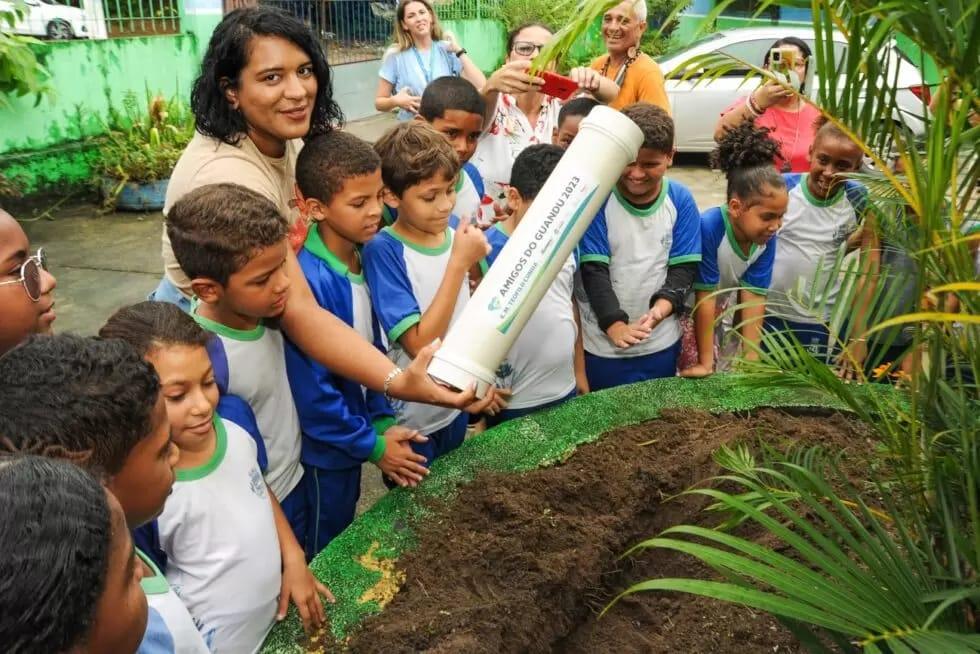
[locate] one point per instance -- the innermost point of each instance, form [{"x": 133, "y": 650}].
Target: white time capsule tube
[{"x": 479, "y": 340}]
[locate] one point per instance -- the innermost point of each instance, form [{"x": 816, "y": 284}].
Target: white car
[
  {"x": 49, "y": 19},
  {"x": 696, "y": 108}
]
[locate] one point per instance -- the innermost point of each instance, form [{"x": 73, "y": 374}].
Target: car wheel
[{"x": 59, "y": 30}]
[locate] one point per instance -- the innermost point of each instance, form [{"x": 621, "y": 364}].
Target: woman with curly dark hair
[{"x": 265, "y": 85}]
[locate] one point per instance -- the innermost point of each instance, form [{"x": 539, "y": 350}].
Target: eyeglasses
[
  {"x": 526, "y": 48},
  {"x": 30, "y": 275}
]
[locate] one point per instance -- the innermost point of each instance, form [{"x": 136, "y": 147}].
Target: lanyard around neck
[{"x": 426, "y": 72}]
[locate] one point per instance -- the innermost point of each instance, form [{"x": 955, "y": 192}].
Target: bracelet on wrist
[
  {"x": 388, "y": 380},
  {"x": 753, "y": 106}
]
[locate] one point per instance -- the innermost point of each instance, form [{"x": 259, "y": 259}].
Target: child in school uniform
[
  {"x": 70, "y": 580},
  {"x": 417, "y": 268},
  {"x": 26, "y": 286},
  {"x": 825, "y": 217},
  {"x": 639, "y": 258},
  {"x": 98, "y": 403},
  {"x": 738, "y": 247},
  {"x": 230, "y": 553},
  {"x": 455, "y": 109},
  {"x": 232, "y": 244},
  {"x": 338, "y": 178},
  {"x": 546, "y": 365}
]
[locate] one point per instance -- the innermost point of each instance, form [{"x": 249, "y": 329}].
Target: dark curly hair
[
  {"x": 86, "y": 399},
  {"x": 580, "y": 106},
  {"x": 532, "y": 167},
  {"x": 746, "y": 154},
  {"x": 215, "y": 229},
  {"x": 413, "y": 152},
  {"x": 55, "y": 540},
  {"x": 149, "y": 325},
  {"x": 328, "y": 160},
  {"x": 227, "y": 55},
  {"x": 655, "y": 123}
]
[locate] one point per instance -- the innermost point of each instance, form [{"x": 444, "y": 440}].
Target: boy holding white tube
[
  {"x": 417, "y": 268},
  {"x": 639, "y": 258},
  {"x": 545, "y": 366}
]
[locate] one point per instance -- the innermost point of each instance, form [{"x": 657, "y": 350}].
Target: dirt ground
[{"x": 525, "y": 563}]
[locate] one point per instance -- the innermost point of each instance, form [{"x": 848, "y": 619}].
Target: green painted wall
[
  {"x": 484, "y": 39},
  {"x": 89, "y": 77}
]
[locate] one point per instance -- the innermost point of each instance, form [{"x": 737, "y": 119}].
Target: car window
[
  {"x": 752, "y": 52},
  {"x": 673, "y": 52}
]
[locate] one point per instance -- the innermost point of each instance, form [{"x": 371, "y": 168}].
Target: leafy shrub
[
  {"x": 143, "y": 142},
  {"x": 21, "y": 70}
]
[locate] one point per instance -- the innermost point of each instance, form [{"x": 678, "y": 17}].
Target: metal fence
[
  {"x": 350, "y": 30},
  {"x": 361, "y": 30},
  {"x": 141, "y": 17}
]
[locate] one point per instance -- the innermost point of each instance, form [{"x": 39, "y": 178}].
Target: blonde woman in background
[{"x": 422, "y": 52}]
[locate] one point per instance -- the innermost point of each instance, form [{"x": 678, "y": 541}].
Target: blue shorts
[
  {"x": 511, "y": 414},
  {"x": 332, "y": 499},
  {"x": 296, "y": 507},
  {"x": 167, "y": 292},
  {"x": 606, "y": 372},
  {"x": 815, "y": 337}
]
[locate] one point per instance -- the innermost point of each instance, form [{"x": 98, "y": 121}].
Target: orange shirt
[{"x": 643, "y": 83}]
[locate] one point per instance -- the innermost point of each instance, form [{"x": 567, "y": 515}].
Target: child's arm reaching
[
  {"x": 581, "y": 380},
  {"x": 704, "y": 332},
  {"x": 298, "y": 583},
  {"x": 469, "y": 247},
  {"x": 753, "y": 314}
]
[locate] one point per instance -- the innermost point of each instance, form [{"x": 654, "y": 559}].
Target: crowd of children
[{"x": 234, "y": 457}]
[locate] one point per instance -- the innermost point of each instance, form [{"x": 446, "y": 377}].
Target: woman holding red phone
[{"x": 519, "y": 114}]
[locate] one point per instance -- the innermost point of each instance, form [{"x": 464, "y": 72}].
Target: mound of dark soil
[{"x": 524, "y": 563}]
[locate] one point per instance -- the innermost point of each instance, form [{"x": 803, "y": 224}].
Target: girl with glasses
[
  {"x": 518, "y": 114},
  {"x": 26, "y": 287},
  {"x": 422, "y": 52}
]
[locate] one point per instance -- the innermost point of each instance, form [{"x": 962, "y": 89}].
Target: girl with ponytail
[{"x": 738, "y": 245}]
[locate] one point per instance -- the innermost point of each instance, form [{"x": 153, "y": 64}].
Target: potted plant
[{"x": 141, "y": 146}]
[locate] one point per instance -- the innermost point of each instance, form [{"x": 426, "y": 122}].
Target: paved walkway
[{"x": 107, "y": 261}]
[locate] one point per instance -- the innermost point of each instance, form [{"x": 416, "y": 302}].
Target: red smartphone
[{"x": 558, "y": 86}]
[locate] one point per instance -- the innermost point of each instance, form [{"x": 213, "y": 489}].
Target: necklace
[{"x": 621, "y": 73}]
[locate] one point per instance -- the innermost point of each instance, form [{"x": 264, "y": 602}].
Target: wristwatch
[{"x": 460, "y": 52}]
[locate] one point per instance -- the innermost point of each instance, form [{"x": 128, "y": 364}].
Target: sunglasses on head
[
  {"x": 526, "y": 48},
  {"x": 30, "y": 275}
]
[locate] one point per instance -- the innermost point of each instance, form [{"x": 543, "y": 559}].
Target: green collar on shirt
[
  {"x": 205, "y": 469},
  {"x": 155, "y": 584},
  {"x": 460, "y": 180},
  {"x": 730, "y": 233},
  {"x": 829, "y": 202},
  {"x": 314, "y": 243},
  {"x": 649, "y": 211},
  {"x": 253, "y": 334},
  {"x": 500, "y": 228},
  {"x": 446, "y": 242}
]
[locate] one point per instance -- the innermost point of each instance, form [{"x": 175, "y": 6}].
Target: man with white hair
[{"x": 637, "y": 75}]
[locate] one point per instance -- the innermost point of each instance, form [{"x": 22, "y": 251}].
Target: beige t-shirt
[{"x": 207, "y": 160}]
